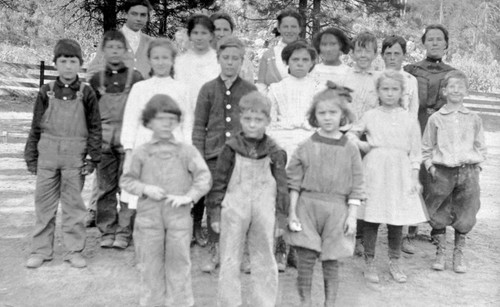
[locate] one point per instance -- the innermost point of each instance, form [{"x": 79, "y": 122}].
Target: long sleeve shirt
[
  {"x": 255, "y": 149},
  {"x": 453, "y": 138},
  {"x": 150, "y": 166},
  {"x": 327, "y": 166},
  {"x": 363, "y": 84},
  {"x": 66, "y": 92},
  {"x": 133, "y": 132},
  {"x": 217, "y": 114}
]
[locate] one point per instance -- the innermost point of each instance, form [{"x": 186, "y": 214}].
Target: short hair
[
  {"x": 255, "y": 102},
  {"x": 393, "y": 75},
  {"x": 289, "y": 13},
  {"x": 225, "y": 16},
  {"x": 200, "y": 19},
  {"x": 166, "y": 43},
  {"x": 436, "y": 27},
  {"x": 160, "y": 103},
  {"x": 363, "y": 39},
  {"x": 455, "y": 74},
  {"x": 340, "y": 95},
  {"x": 68, "y": 48},
  {"x": 344, "y": 41},
  {"x": 230, "y": 41},
  {"x": 114, "y": 35},
  {"x": 392, "y": 40},
  {"x": 131, "y": 3},
  {"x": 297, "y": 45}
]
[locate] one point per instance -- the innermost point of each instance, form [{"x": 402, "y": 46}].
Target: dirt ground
[{"x": 111, "y": 278}]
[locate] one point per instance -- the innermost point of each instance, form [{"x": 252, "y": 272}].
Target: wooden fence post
[{"x": 42, "y": 73}]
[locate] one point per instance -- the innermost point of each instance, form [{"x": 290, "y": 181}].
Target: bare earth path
[{"x": 111, "y": 278}]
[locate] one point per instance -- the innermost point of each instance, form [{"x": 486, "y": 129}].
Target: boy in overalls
[
  {"x": 112, "y": 86},
  {"x": 63, "y": 146},
  {"x": 249, "y": 191}
]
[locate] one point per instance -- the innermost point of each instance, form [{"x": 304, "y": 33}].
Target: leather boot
[
  {"x": 458, "y": 255},
  {"x": 199, "y": 237},
  {"x": 440, "y": 241},
  {"x": 211, "y": 262}
]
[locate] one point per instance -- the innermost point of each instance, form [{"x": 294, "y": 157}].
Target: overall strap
[
  {"x": 130, "y": 74},
  {"x": 102, "y": 88},
  {"x": 50, "y": 93},
  {"x": 79, "y": 94}
]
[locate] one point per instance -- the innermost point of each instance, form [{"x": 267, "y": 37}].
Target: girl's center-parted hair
[
  {"x": 225, "y": 16},
  {"x": 288, "y": 13},
  {"x": 393, "y": 75},
  {"x": 337, "y": 94},
  {"x": 160, "y": 103},
  {"x": 255, "y": 102},
  {"x": 164, "y": 43},
  {"x": 200, "y": 19},
  {"x": 344, "y": 41},
  {"x": 298, "y": 45}
]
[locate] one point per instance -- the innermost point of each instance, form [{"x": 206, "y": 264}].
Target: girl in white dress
[
  {"x": 330, "y": 45},
  {"x": 161, "y": 54},
  {"x": 391, "y": 167}
]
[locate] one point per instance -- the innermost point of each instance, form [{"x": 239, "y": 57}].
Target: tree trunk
[
  {"x": 302, "y": 12},
  {"x": 315, "y": 16},
  {"x": 109, "y": 15}
]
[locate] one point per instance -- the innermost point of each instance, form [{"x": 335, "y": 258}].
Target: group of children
[{"x": 316, "y": 200}]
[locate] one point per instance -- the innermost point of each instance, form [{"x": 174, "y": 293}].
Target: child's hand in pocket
[
  {"x": 154, "y": 192},
  {"x": 179, "y": 200}
]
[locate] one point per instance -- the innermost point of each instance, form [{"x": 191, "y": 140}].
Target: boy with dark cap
[{"x": 63, "y": 146}]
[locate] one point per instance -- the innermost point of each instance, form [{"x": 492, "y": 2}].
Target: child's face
[
  {"x": 68, "y": 68},
  {"x": 390, "y": 92},
  {"x": 200, "y": 37},
  {"x": 435, "y": 43},
  {"x": 161, "y": 61},
  {"x": 254, "y": 124},
  {"x": 364, "y": 56},
  {"x": 329, "y": 48},
  {"x": 114, "y": 51},
  {"x": 328, "y": 114},
  {"x": 289, "y": 29},
  {"x": 163, "y": 124},
  {"x": 222, "y": 28},
  {"x": 455, "y": 90},
  {"x": 300, "y": 63},
  {"x": 230, "y": 61},
  {"x": 393, "y": 57},
  {"x": 137, "y": 17}
]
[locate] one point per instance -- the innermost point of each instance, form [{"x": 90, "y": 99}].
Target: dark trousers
[
  {"x": 452, "y": 198},
  {"x": 370, "y": 232},
  {"x": 111, "y": 223},
  {"x": 199, "y": 208}
]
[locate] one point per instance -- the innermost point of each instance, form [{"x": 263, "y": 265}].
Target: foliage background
[{"x": 29, "y": 28}]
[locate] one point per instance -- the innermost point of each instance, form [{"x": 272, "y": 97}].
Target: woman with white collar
[{"x": 271, "y": 68}]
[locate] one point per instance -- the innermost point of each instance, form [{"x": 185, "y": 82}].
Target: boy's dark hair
[
  {"x": 363, "y": 39},
  {"x": 68, "y": 48},
  {"x": 344, "y": 41},
  {"x": 200, "y": 19},
  {"x": 225, "y": 16},
  {"x": 455, "y": 74},
  {"x": 230, "y": 41},
  {"x": 288, "y": 13},
  {"x": 338, "y": 94},
  {"x": 393, "y": 40},
  {"x": 131, "y": 3},
  {"x": 166, "y": 43},
  {"x": 255, "y": 102},
  {"x": 113, "y": 35},
  {"x": 160, "y": 103},
  {"x": 297, "y": 45},
  {"x": 436, "y": 27}
]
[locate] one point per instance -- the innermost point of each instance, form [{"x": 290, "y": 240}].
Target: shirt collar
[
  {"x": 75, "y": 85},
  {"x": 445, "y": 110},
  {"x": 356, "y": 69},
  {"x": 129, "y": 32},
  {"x": 121, "y": 67},
  {"x": 158, "y": 141},
  {"x": 228, "y": 81}
]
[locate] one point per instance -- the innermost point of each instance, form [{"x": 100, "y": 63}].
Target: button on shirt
[{"x": 453, "y": 138}]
